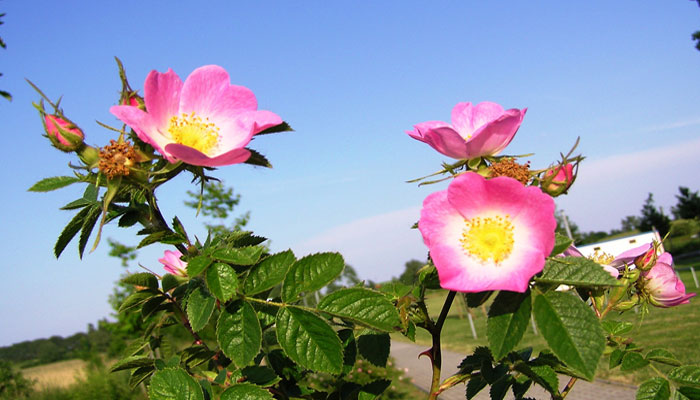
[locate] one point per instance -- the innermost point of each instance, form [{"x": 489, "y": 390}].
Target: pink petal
[
  {"x": 209, "y": 93},
  {"x": 493, "y": 137},
  {"x": 446, "y": 141},
  {"x": 191, "y": 156},
  {"x": 162, "y": 97},
  {"x": 144, "y": 126},
  {"x": 462, "y": 118},
  {"x": 485, "y": 112}
]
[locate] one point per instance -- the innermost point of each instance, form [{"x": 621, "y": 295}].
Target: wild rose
[
  {"x": 661, "y": 286},
  {"x": 557, "y": 180},
  {"x": 488, "y": 234},
  {"x": 476, "y": 131},
  {"x": 173, "y": 264},
  {"x": 63, "y": 133},
  {"x": 204, "y": 121}
]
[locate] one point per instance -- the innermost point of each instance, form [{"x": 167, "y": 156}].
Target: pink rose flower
[
  {"x": 661, "y": 286},
  {"x": 476, "y": 131},
  {"x": 204, "y": 121},
  {"x": 558, "y": 180},
  {"x": 488, "y": 234},
  {"x": 173, "y": 264},
  {"x": 64, "y": 135}
]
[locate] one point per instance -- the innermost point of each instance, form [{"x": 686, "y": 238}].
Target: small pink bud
[
  {"x": 557, "y": 180},
  {"x": 133, "y": 99},
  {"x": 647, "y": 260},
  {"x": 64, "y": 135}
]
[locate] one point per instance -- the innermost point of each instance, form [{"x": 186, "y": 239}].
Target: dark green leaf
[
  {"x": 196, "y": 355},
  {"x": 428, "y": 277},
  {"x": 169, "y": 282},
  {"x": 139, "y": 375},
  {"x": 663, "y": 356},
  {"x": 575, "y": 271},
  {"x": 476, "y": 299},
  {"x": 373, "y": 390},
  {"x": 197, "y": 265},
  {"x": 349, "y": 349},
  {"x": 687, "y": 375},
  {"x": 268, "y": 273},
  {"x": 91, "y": 192},
  {"x": 363, "y": 306},
  {"x": 374, "y": 347},
  {"x": 542, "y": 375},
  {"x": 136, "y": 299},
  {"x": 145, "y": 279},
  {"x": 654, "y": 389},
  {"x": 179, "y": 228},
  {"x": 616, "y": 358},
  {"x": 132, "y": 362},
  {"x": 257, "y": 159},
  {"x": 240, "y": 255},
  {"x": 261, "y": 376},
  {"x": 80, "y": 203},
  {"x": 88, "y": 224},
  {"x": 561, "y": 243},
  {"x": 508, "y": 319},
  {"x": 174, "y": 384},
  {"x": 309, "y": 341},
  {"x": 245, "y": 391},
  {"x": 166, "y": 237},
  {"x": 222, "y": 281},
  {"x": 691, "y": 393},
  {"x": 632, "y": 361},
  {"x": 152, "y": 305},
  {"x": 311, "y": 273},
  {"x": 499, "y": 389},
  {"x": 70, "y": 231},
  {"x": 283, "y": 127},
  {"x": 56, "y": 182},
  {"x": 238, "y": 333},
  {"x": 475, "y": 385},
  {"x": 571, "y": 329},
  {"x": 200, "y": 306}
]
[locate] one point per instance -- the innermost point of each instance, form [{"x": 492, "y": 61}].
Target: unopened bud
[
  {"x": 647, "y": 260},
  {"x": 627, "y": 305},
  {"x": 131, "y": 98},
  {"x": 557, "y": 180},
  {"x": 63, "y": 133}
]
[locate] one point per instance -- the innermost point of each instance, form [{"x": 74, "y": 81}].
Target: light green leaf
[
  {"x": 239, "y": 334},
  {"x": 633, "y": 361},
  {"x": 663, "y": 356},
  {"x": 575, "y": 271},
  {"x": 508, "y": 318},
  {"x": 311, "y": 273},
  {"x": 268, "y": 273},
  {"x": 131, "y": 362},
  {"x": 222, "y": 281},
  {"x": 56, "y": 182},
  {"x": 200, "y": 306},
  {"x": 654, "y": 389},
  {"x": 571, "y": 330},
  {"x": 239, "y": 255},
  {"x": 246, "y": 391},
  {"x": 363, "y": 306},
  {"x": 616, "y": 327},
  {"x": 686, "y": 375},
  {"x": 309, "y": 341},
  {"x": 174, "y": 384},
  {"x": 561, "y": 243},
  {"x": 145, "y": 279},
  {"x": 197, "y": 265}
]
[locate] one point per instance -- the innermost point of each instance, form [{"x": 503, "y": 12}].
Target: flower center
[
  {"x": 488, "y": 238},
  {"x": 116, "y": 159},
  {"x": 192, "y": 131},
  {"x": 602, "y": 257}
]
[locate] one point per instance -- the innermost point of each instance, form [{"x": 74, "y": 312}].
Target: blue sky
[{"x": 350, "y": 78}]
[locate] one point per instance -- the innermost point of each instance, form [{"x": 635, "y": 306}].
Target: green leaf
[
  {"x": 309, "y": 341},
  {"x": 561, "y": 243},
  {"x": 475, "y": 385},
  {"x": 261, "y": 376},
  {"x": 200, "y": 306},
  {"x": 240, "y": 255},
  {"x": 476, "y": 299},
  {"x": 197, "y": 265},
  {"x": 80, "y": 203},
  {"x": 663, "y": 356},
  {"x": 576, "y": 271},
  {"x": 654, "y": 389},
  {"x": 616, "y": 358},
  {"x": 508, "y": 319},
  {"x": 152, "y": 305},
  {"x": 571, "y": 330},
  {"x": 166, "y": 237},
  {"x": 131, "y": 362},
  {"x": 363, "y": 306},
  {"x": 268, "y": 273},
  {"x": 691, "y": 393},
  {"x": 616, "y": 327},
  {"x": 174, "y": 384},
  {"x": 222, "y": 281},
  {"x": 374, "y": 347},
  {"x": 257, "y": 159},
  {"x": 70, "y": 231},
  {"x": 543, "y": 375},
  {"x": 687, "y": 375},
  {"x": 88, "y": 224},
  {"x": 499, "y": 389},
  {"x": 311, "y": 273},
  {"x": 139, "y": 375},
  {"x": 349, "y": 349},
  {"x": 632, "y": 361},
  {"x": 56, "y": 182},
  {"x": 283, "y": 127},
  {"x": 373, "y": 390},
  {"x": 136, "y": 299},
  {"x": 145, "y": 279},
  {"x": 246, "y": 391},
  {"x": 238, "y": 333},
  {"x": 169, "y": 282}
]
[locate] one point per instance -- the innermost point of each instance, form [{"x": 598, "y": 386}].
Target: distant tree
[
  {"x": 696, "y": 35},
  {"x": 653, "y": 218},
  {"x": 409, "y": 276},
  {"x": 218, "y": 201},
  {"x": 629, "y": 223},
  {"x": 3, "y": 93},
  {"x": 688, "y": 206},
  {"x": 13, "y": 385}
]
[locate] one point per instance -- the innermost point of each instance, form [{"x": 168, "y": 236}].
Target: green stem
[
  {"x": 436, "y": 358},
  {"x": 568, "y": 387}
]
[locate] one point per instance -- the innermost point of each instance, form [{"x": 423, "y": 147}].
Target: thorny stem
[
  {"x": 436, "y": 358},
  {"x": 568, "y": 387}
]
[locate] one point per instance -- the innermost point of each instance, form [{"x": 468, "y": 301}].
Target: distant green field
[{"x": 676, "y": 329}]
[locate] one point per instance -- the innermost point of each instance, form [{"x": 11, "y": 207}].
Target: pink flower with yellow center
[
  {"x": 204, "y": 121},
  {"x": 173, "y": 264},
  {"x": 488, "y": 234},
  {"x": 476, "y": 131}
]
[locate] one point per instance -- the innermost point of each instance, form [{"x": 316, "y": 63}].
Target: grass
[
  {"x": 675, "y": 329},
  {"x": 58, "y": 374}
]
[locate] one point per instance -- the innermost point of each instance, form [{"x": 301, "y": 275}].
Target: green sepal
[{"x": 166, "y": 237}]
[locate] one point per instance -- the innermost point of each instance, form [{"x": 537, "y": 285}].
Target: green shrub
[{"x": 684, "y": 227}]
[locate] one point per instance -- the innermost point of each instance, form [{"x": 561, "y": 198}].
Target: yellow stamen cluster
[
  {"x": 116, "y": 159},
  {"x": 602, "y": 257},
  {"x": 488, "y": 238},
  {"x": 508, "y": 167},
  {"x": 192, "y": 131}
]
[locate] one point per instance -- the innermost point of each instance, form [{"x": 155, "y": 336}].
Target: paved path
[{"x": 405, "y": 356}]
